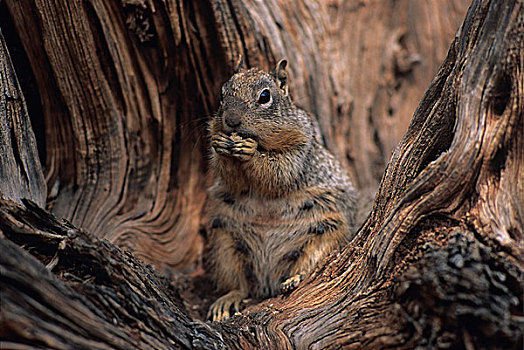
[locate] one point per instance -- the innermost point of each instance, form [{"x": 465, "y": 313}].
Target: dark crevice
[
  {"x": 443, "y": 129},
  {"x": 376, "y": 138},
  {"x": 498, "y": 162},
  {"x": 501, "y": 94},
  {"x": 391, "y": 111},
  {"x": 26, "y": 79},
  {"x": 17, "y": 154}
]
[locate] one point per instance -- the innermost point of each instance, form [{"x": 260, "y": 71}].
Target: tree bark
[
  {"x": 437, "y": 264},
  {"x": 97, "y": 297},
  {"x": 20, "y": 170},
  {"x": 127, "y": 87}
]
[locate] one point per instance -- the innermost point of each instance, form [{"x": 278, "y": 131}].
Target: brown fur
[{"x": 280, "y": 201}]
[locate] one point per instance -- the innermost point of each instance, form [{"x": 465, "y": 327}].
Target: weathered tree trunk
[
  {"x": 127, "y": 88},
  {"x": 438, "y": 263},
  {"x": 20, "y": 170}
]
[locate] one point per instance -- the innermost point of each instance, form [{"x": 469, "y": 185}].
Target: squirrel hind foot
[
  {"x": 221, "y": 308},
  {"x": 291, "y": 283}
]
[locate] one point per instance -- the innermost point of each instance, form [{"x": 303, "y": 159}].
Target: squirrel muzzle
[{"x": 232, "y": 119}]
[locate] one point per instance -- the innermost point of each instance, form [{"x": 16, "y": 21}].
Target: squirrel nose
[{"x": 232, "y": 119}]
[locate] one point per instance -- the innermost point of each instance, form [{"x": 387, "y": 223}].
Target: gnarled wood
[
  {"x": 127, "y": 88},
  {"x": 90, "y": 294},
  {"x": 439, "y": 262},
  {"x": 20, "y": 170}
]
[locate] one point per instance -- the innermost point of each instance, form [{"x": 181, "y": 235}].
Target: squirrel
[{"x": 280, "y": 201}]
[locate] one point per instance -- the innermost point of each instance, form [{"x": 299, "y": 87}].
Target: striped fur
[{"x": 280, "y": 201}]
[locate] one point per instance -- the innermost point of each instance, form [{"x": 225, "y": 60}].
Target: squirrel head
[{"x": 256, "y": 104}]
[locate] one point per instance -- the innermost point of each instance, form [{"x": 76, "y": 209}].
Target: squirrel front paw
[
  {"x": 222, "y": 144},
  {"x": 291, "y": 283},
  {"x": 234, "y": 146},
  {"x": 243, "y": 149},
  {"x": 220, "y": 310}
]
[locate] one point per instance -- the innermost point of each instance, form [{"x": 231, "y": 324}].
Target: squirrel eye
[{"x": 265, "y": 97}]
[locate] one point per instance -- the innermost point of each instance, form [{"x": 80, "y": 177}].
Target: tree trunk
[
  {"x": 437, "y": 264},
  {"x": 126, "y": 89},
  {"x": 20, "y": 170}
]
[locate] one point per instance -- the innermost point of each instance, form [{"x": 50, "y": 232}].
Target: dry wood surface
[
  {"x": 126, "y": 90},
  {"x": 437, "y": 264}
]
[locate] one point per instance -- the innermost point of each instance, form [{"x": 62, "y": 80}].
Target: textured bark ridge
[
  {"x": 20, "y": 170},
  {"x": 90, "y": 294},
  {"x": 127, "y": 87},
  {"x": 437, "y": 264}
]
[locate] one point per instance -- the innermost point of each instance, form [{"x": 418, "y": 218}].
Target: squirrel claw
[
  {"x": 221, "y": 143},
  {"x": 220, "y": 310},
  {"x": 243, "y": 149},
  {"x": 291, "y": 283},
  {"x": 234, "y": 146}
]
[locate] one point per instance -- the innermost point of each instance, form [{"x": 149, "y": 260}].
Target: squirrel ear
[
  {"x": 281, "y": 75},
  {"x": 239, "y": 66}
]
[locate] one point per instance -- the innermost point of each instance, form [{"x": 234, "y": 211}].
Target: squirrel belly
[{"x": 280, "y": 201}]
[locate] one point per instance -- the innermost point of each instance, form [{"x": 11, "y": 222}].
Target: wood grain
[
  {"x": 20, "y": 170},
  {"x": 127, "y": 88},
  {"x": 438, "y": 263}
]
